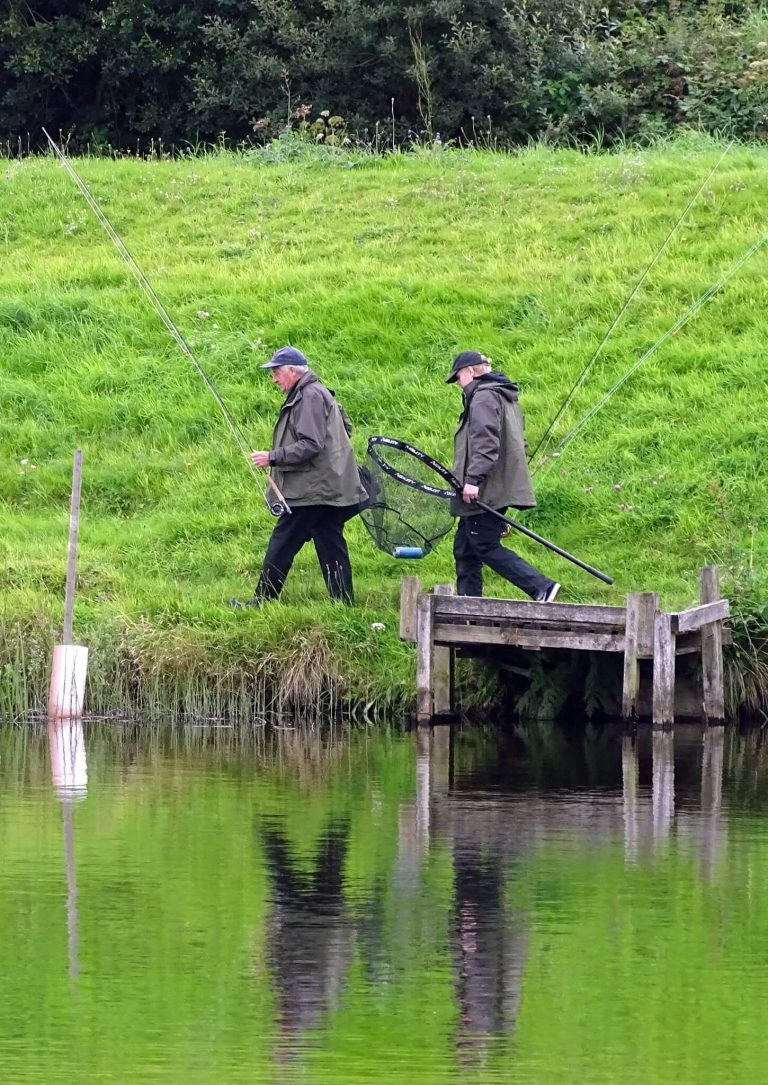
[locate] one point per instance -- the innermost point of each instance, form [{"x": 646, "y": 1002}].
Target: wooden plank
[
  {"x": 74, "y": 526},
  {"x": 519, "y": 637},
  {"x": 663, "y": 671},
  {"x": 712, "y": 672},
  {"x": 424, "y": 710},
  {"x": 410, "y": 586},
  {"x": 696, "y": 617},
  {"x": 471, "y": 606},
  {"x": 442, "y": 664}
]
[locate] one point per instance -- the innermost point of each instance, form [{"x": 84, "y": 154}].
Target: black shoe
[
  {"x": 548, "y": 595},
  {"x": 251, "y": 604}
]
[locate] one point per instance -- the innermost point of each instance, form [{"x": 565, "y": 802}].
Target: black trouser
[
  {"x": 324, "y": 525},
  {"x": 478, "y": 542}
]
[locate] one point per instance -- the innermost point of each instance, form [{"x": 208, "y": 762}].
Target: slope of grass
[{"x": 380, "y": 270}]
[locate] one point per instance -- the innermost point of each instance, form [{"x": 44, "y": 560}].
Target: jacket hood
[{"x": 496, "y": 382}]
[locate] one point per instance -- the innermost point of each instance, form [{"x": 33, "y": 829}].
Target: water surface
[{"x": 532, "y": 905}]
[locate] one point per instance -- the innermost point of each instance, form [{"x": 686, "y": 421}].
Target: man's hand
[
  {"x": 260, "y": 459},
  {"x": 469, "y": 493}
]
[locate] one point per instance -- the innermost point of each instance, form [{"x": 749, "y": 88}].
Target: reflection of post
[
  {"x": 663, "y": 784},
  {"x": 415, "y": 818},
  {"x": 69, "y": 773},
  {"x": 712, "y": 795},
  {"x": 629, "y": 778},
  {"x": 423, "y": 766}
]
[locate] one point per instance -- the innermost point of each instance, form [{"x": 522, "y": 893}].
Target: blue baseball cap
[{"x": 285, "y": 356}]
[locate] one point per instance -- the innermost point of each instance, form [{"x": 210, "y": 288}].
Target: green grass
[{"x": 380, "y": 270}]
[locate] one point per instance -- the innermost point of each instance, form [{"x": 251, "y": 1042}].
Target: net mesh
[{"x": 408, "y": 509}]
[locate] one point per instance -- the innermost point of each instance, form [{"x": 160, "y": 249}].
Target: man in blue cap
[
  {"x": 490, "y": 462},
  {"x": 312, "y": 463}
]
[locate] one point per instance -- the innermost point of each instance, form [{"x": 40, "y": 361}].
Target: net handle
[{"x": 456, "y": 489}]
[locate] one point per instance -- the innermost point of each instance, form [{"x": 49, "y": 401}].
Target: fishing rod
[
  {"x": 160, "y": 309},
  {"x": 546, "y": 437},
  {"x": 670, "y": 332}
]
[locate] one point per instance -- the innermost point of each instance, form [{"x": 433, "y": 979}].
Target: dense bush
[{"x": 114, "y": 71}]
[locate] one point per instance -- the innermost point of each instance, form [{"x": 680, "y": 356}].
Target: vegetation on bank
[
  {"x": 113, "y": 73},
  {"x": 380, "y": 269}
]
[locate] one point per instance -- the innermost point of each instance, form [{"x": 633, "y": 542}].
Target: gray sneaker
[
  {"x": 548, "y": 595},
  {"x": 250, "y": 604}
]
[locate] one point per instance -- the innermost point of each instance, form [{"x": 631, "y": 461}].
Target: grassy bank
[{"x": 380, "y": 270}]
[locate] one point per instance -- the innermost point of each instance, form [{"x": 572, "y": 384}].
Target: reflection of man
[
  {"x": 489, "y": 952},
  {"x": 310, "y": 935}
]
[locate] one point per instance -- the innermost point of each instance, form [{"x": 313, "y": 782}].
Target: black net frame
[
  {"x": 376, "y": 444},
  {"x": 414, "y": 519}
]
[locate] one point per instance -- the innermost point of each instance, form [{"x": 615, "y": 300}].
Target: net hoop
[{"x": 374, "y": 443}]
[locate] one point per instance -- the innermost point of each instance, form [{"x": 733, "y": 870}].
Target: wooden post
[
  {"x": 663, "y": 671},
  {"x": 74, "y": 525},
  {"x": 712, "y": 679},
  {"x": 69, "y": 668},
  {"x": 442, "y": 667},
  {"x": 638, "y": 641},
  {"x": 424, "y": 711},
  {"x": 410, "y": 586}
]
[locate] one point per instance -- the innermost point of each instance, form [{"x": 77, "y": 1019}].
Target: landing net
[{"x": 409, "y": 511}]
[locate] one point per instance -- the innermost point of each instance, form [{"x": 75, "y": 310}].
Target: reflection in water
[
  {"x": 630, "y": 784},
  {"x": 69, "y": 773},
  {"x": 448, "y": 906},
  {"x": 663, "y": 793},
  {"x": 489, "y": 949},
  {"x": 713, "y": 833},
  {"x": 310, "y": 934}
]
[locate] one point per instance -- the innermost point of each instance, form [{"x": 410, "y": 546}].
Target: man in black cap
[
  {"x": 490, "y": 462},
  {"x": 313, "y": 465}
]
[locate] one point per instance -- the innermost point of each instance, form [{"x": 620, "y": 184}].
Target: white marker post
[{"x": 70, "y": 661}]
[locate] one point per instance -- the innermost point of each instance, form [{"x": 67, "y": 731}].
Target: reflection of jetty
[
  {"x": 645, "y": 815},
  {"x": 489, "y": 825},
  {"x": 440, "y": 622}
]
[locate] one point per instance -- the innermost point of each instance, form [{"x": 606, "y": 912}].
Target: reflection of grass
[
  {"x": 173, "y": 895},
  {"x": 528, "y": 257}
]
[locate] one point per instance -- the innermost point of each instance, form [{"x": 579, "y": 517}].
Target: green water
[{"x": 558, "y": 905}]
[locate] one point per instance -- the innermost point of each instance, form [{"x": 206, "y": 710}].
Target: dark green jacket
[
  {"x": 489, "y": 449},
  {"x": 312, "y": 459}
]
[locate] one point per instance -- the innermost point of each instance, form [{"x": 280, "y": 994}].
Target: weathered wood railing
[{"x": 440, "y": 621}]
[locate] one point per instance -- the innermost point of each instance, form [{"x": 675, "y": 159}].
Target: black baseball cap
[{"x": 466, "y": 358}]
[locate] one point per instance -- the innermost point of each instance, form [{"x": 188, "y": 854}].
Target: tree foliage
[{"x": 113, "y": 71}]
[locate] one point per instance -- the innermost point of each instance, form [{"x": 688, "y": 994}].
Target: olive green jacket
[
  {"x": 489, "y": 448},
  {"x": 312, "y": 459}
]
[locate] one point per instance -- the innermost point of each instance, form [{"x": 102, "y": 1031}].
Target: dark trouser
[
  {"x": 478, "y": 542},
  {"x": 324, "y": 525}
]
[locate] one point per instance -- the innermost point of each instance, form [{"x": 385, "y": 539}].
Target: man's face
[
  {"x": 465, "y": 376},
  {"x": 285, "y": 376}
]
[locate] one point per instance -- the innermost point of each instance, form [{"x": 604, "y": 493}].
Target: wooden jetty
[{"x": 440, "y": 622}]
